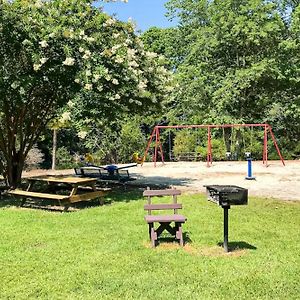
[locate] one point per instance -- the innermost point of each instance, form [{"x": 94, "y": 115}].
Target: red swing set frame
[{"x": 156, "y": 133}]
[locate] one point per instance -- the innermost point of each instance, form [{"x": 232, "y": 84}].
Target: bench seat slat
[
  {"x": 86, "y": 196},
  {"x": 162, "y": 206},
  {"x": 165, "y": 218},
  {"x": 38, "y": 195},
  {"x": 168, "y": 192}
]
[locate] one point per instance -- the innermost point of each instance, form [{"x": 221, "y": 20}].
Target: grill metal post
[{"x": 225, "y": 243}]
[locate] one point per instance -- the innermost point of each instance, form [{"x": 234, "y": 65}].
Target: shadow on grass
[
  {"x": 159, "y": 181},
  {"x": 6, "y": 201},
  {"x": 168, "y": 241},
  {"x": 133, "y": 190},
  {"x": 240, "y": 245}
]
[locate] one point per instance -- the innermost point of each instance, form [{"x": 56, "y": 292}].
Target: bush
[
  {"x": 184, "y": 142},
  {"x": 132, "y": 140},
  {"x": 64, "y": 160},
  {"x": 34, "y": 159},
  {"x": 217, "y": 147}
]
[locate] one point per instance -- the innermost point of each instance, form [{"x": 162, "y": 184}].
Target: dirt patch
[
  {"x": 216, "y": 251},
  {"x": 212, "y": 251}
]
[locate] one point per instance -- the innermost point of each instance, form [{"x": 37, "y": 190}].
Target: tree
[{"x": 56, "y": 51}]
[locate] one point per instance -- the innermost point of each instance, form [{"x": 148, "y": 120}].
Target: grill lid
[{"x": 226, "y": 195}]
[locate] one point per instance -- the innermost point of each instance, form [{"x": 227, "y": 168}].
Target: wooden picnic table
[{"x": 74, "y": 182}]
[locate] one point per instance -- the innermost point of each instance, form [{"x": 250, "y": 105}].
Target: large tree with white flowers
[{"x": 67, "y": 51}]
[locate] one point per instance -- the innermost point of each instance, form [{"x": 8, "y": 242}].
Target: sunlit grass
[{"x": 104, "y": 253}]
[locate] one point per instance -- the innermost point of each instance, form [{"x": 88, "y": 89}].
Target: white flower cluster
[
  {"x": 36, "y": 67},
  {"x": 82, "y": 134},
  {"x": 43, "y": 44},
  {"x": 43, "y": 60},
  {"x": 88, "y": 86},
  {"x": 71, "y": 104},
  {"x": 151, "y": 54},
  {"x": 14, "y": 85},
  {"x": 119, "y": 59},
  {"x": 142, "y": 85},
  {"x": 115, "y": 48},
  {"x": 69, "y": 61},
  {"x": 87, "y": 54},
  {"x": 109, "y": 22},
  {"x": 65, "y": 117}
]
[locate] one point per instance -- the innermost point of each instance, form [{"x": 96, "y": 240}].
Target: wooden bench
[{"x": 164, "y": 220}]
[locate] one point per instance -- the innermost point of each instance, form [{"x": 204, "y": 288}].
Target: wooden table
[{"x": 66, "y": 200}]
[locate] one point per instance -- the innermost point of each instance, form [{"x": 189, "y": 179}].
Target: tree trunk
[
  {"x": 14, "y": 170},
  {"x": 54, "y": 147}
]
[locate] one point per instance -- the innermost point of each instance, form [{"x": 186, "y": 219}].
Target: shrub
[
  {"x": 184, "y": 142},
  {"x": 64, "y": 160},
  {"x": 34, "y": 158}
]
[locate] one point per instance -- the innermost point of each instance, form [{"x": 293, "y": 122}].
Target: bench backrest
[{"x": 159, "y": 193}]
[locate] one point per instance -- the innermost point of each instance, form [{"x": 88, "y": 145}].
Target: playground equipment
[
  {"x": 137, "y": 159},
  {"x": 109, "y": 172},
  {"x": 249, "y": 160},
  {"x": 158, "y": 145}
]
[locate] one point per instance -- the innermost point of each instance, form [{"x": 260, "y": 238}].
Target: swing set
[{"x": 155, "y": 135}]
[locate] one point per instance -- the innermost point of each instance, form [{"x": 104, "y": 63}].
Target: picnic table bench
[
  {"x": 164, "y": 220},
  {"x": 74, "y": 182}
]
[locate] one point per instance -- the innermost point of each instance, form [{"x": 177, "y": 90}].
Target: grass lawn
[{"x": 104, "y": 252}]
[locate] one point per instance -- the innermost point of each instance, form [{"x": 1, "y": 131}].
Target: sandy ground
[{"x": 275, "y": 181}]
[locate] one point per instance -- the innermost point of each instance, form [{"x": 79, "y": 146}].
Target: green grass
[{"x": 104, "y": 253}]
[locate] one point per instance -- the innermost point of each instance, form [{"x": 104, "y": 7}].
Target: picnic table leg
[
  {"x": 74, "y": 190},
  {"x": 23, "y": 200},
  {"x": 101, "y": 200},
  {"x": 29, "y": 186}
]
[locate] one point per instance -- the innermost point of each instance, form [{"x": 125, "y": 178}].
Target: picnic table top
[{"x": 63, "y": 179}]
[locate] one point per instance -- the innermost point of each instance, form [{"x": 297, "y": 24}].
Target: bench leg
[
  {"x": 152, "y": 234},
  {"x": 179, "y": 235},
  {"x": 66, "y": 207}
]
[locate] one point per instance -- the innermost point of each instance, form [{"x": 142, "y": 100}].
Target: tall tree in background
[
  {"x": 231, "y": 66},
  {"x": 61, "y": 50}
]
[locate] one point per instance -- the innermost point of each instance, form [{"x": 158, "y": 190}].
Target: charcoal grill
[{"x": 226, "y": 195}]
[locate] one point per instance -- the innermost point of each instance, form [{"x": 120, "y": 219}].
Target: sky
[{"x": 145, "y": 13}]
